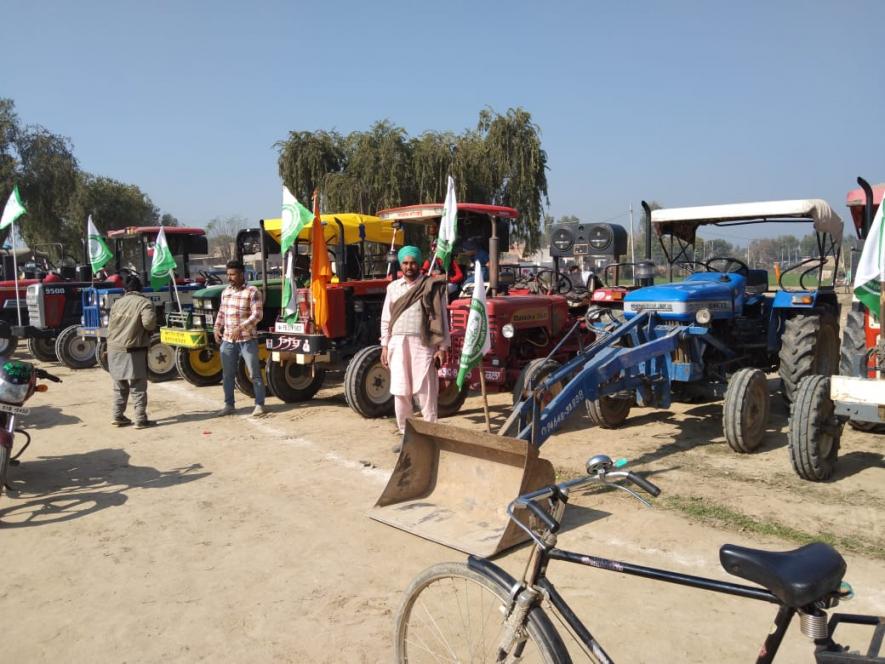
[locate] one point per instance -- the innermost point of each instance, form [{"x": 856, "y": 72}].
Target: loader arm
[{"x": 590, "y": 376}]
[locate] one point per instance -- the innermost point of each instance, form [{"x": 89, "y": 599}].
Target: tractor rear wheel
[
  {"x": 74, "y": 351},
  {"x": 101, "y": 354},
  {"x": 609, "y": 412},
  {"x": 367, "y": 384},
  {"x": 160, "y": 361},
  {"x": 7, "y": 345},
  {"x": 243, "y": 379},
  {"x": 42, "y": 348},
  {"x": 853, "y": 358},
  {"x": 809, "y": 345},
  {"x": 450, "y": 398},
  {"x": 292, "y": 382},
  {"x": 746, "y": 408},
  {"x": 815, "y": 431},
  {"x": 199, "y": 366}
]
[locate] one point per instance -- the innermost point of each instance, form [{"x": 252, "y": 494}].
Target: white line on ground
[{"x": 379, "y": 475}]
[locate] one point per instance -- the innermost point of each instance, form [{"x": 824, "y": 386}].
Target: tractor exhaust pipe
[
  {"x": 644, "y": 271},
  {"x": 867, "y": 206}
]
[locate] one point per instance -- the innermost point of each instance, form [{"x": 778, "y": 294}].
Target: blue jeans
[{"x": 230, "y": 356}]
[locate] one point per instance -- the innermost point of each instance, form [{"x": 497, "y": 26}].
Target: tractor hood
[{"x": 719, "y": 292}]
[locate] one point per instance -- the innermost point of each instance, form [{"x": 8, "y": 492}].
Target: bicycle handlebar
[
  {"x": 561, "y": 491},
  {"x": 45, "y": 375}
]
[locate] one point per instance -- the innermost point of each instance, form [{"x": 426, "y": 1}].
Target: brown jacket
[
  {"x": 131, "y": 322},
  {"x": 431, "y": 291}
]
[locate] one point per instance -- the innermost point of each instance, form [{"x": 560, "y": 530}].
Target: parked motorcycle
[{"x": 18, "y": 382}]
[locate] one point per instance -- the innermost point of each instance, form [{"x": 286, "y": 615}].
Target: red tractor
[{"x": 530, "y": 312}]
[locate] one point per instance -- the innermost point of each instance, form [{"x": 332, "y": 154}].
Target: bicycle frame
[{"x": 544, "y": 551}]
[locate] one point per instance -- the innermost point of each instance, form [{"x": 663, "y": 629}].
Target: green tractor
[{"x": 190, "y": 332}]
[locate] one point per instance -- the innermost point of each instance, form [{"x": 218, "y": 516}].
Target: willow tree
[
  {"x": 307, "y": 157},
  {"x": 499, "y": 161}
]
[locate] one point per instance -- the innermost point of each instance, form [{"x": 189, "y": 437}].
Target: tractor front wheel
[
  {"x": 160, "y": 361},
  {"x": 367, "y": 384},
  {"x": 74, "y": 351},
  {"x": 745, "y": 412},
  {"x": 815, "y": 431},
  {"x": 42, "y": 348},
  {"x": 292, "y": 382},
  {"x": 7, "y": 345},
  {"x": 199, "y": 366},
  {"x": 101, "y": 354},
  {"x": 809, "y": 345},
  {"x": 450, "y": 398},
  {"x": 609, "y": 412},
  {"x": 532, "y": 375}
]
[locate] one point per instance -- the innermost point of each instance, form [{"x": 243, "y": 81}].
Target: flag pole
[
  {"x": 485, "y": 397},
  {"x": 18, "y": 305},
  {"x": 175, "y": 288}
]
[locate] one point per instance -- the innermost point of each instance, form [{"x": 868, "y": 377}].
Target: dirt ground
[{"x": 246, "y": 540}]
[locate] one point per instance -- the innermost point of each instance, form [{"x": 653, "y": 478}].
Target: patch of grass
[{"x": 707, "y": 512}]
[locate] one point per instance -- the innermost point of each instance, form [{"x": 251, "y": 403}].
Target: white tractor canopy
[{"x": 683, "y": 222}]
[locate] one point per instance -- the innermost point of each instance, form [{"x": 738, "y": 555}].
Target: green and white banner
[
  {"x": 871, "y": 268},
  {"x": 163, "y": 264},
  {"x": 294, "y": 218},
  {"x": 476, "y": 336},
  {"x": 13, "y": 210},
  {"x": 448, "y": 228},
  {"x": 99, "y": 254},
  {"x": 290, "y": 290}
]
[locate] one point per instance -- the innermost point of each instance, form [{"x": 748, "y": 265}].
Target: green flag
[
  {"x": 99, "y": 254},
  {"x": 476, "y": 335},
  {"x": 295, "y": 217},
  {"x": 164, "y": 263},
  {"x": 13, "y": 210}
]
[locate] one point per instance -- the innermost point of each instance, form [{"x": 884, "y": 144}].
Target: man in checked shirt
[{"x": 235, "y": 331}]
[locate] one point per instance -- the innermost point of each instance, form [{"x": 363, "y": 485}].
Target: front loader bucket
[{"x": 453, "y": 485}]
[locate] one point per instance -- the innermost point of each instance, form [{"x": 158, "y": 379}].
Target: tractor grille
[
  {"x": 457, "y": 325},
  {"x": 36, "y": 305}
]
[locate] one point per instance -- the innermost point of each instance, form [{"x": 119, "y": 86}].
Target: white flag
[
  {"x": 871, "y": 268},
  {"x": 448, "y": 228},
  {"x": 476, "y": 335}
]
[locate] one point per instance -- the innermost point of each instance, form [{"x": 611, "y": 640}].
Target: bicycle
[{"x": 457, "y": 612}]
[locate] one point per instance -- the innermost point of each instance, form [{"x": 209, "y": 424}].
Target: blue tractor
[{"x": 714, "y": 334}]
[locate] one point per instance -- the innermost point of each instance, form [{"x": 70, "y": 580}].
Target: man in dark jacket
[{"x": 130, "y": 325}]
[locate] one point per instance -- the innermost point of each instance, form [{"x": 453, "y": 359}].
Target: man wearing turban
[{"x": 414, "y": 337}]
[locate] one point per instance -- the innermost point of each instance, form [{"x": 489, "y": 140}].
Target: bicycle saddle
[{"x": 797, "y": 578}]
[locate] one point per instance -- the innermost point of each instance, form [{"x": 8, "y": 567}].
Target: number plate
[
  {"x": 15, "y": 410},
  {"x": 290, "y": 328},
  {"x": 183, "y": 338}
]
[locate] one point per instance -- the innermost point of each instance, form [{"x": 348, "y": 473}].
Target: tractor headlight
[
  {"x": 104, "y": 320},
  {"x": 508, "y": 331},
  {"x": 703, "y": 316}
]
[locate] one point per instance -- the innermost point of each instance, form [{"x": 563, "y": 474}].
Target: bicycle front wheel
[{"x": 452, "y": 613}]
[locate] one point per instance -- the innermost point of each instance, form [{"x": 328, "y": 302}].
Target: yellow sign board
[{"x": 183, "y": 338}]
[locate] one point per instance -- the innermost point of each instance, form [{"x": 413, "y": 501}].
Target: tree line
[
  {"x": 500, "y": 161},
  {"x": 59, "y": 195}
]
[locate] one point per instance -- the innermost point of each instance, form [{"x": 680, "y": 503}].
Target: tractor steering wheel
[
  {"x": 545, "y": 282},
  {"x": 211, "y": 279},
  {"x": 743, "y": 268}
]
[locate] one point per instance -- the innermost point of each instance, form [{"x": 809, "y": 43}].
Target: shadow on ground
[{"x": 55, "y": 489}]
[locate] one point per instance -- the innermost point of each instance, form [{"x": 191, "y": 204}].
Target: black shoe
[
  {"x": 144, "y": 424},
  {"x": 121, "y": 421}
]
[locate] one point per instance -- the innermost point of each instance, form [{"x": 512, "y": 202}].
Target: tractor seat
[
  {"x": 797, "y": 578},
  {"x": 757, "y": 281}
]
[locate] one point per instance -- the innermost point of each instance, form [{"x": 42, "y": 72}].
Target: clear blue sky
[{"x": 680, "y": 102}]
